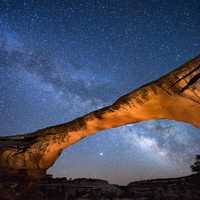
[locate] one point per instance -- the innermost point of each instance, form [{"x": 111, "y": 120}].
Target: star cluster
[{"x": 61, "y": 59}]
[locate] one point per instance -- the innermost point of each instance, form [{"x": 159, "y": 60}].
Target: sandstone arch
[{"x": 175, "y": 96}]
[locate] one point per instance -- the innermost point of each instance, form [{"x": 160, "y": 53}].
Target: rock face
[
  {"x": 48, "y": 188},
  {"x": 174, "y": 96}
]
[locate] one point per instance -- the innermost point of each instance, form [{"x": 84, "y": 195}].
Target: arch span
[{"x": 174, "y": 96}]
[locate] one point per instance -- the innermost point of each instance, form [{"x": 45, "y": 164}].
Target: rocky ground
[{"x": 48, "y": 188}]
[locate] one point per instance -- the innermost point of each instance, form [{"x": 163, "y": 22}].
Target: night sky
[{"x": 61, "y": 59}]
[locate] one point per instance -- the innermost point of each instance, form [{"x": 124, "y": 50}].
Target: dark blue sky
[{"x": 62, "y": 59}]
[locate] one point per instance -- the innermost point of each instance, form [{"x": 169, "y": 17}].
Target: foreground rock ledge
[{"x": 21, "y": 187}]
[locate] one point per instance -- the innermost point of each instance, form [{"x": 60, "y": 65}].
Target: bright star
[{"x": 101, "y": 153}]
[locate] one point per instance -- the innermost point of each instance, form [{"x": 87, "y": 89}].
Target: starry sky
[{"x": 61, "y": 59}]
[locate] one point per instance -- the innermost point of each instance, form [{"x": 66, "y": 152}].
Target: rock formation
[
  {"x": 174, "y": 96},
  {"x": 184, "y": 188}
]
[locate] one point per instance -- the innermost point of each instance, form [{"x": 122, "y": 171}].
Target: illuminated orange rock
[{"x": 175, "y": 96}]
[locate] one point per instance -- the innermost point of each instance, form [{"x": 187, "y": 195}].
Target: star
[{"x": 101, "y": 154}]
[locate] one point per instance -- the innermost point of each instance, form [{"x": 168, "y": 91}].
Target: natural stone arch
[{"x": 174, "y": 96}]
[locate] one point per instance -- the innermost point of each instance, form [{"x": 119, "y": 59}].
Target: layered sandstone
[{"x": 175, "y": 96}]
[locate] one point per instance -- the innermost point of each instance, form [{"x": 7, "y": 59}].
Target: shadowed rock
[
  {"x": 184, "y": 188},
  {"x": 175, "y": 96}
]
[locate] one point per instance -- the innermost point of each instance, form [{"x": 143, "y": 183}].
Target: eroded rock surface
[{"x": 175, "y": 96}]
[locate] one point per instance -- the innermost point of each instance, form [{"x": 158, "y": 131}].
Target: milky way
[{"x": 62, "y": 59}]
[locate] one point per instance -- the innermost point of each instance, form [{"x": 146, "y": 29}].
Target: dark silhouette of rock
[
  {"x": 48, "y": 188},
  {"x": 174, "y": 96},
  {"x": 196, "y": 166}
]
